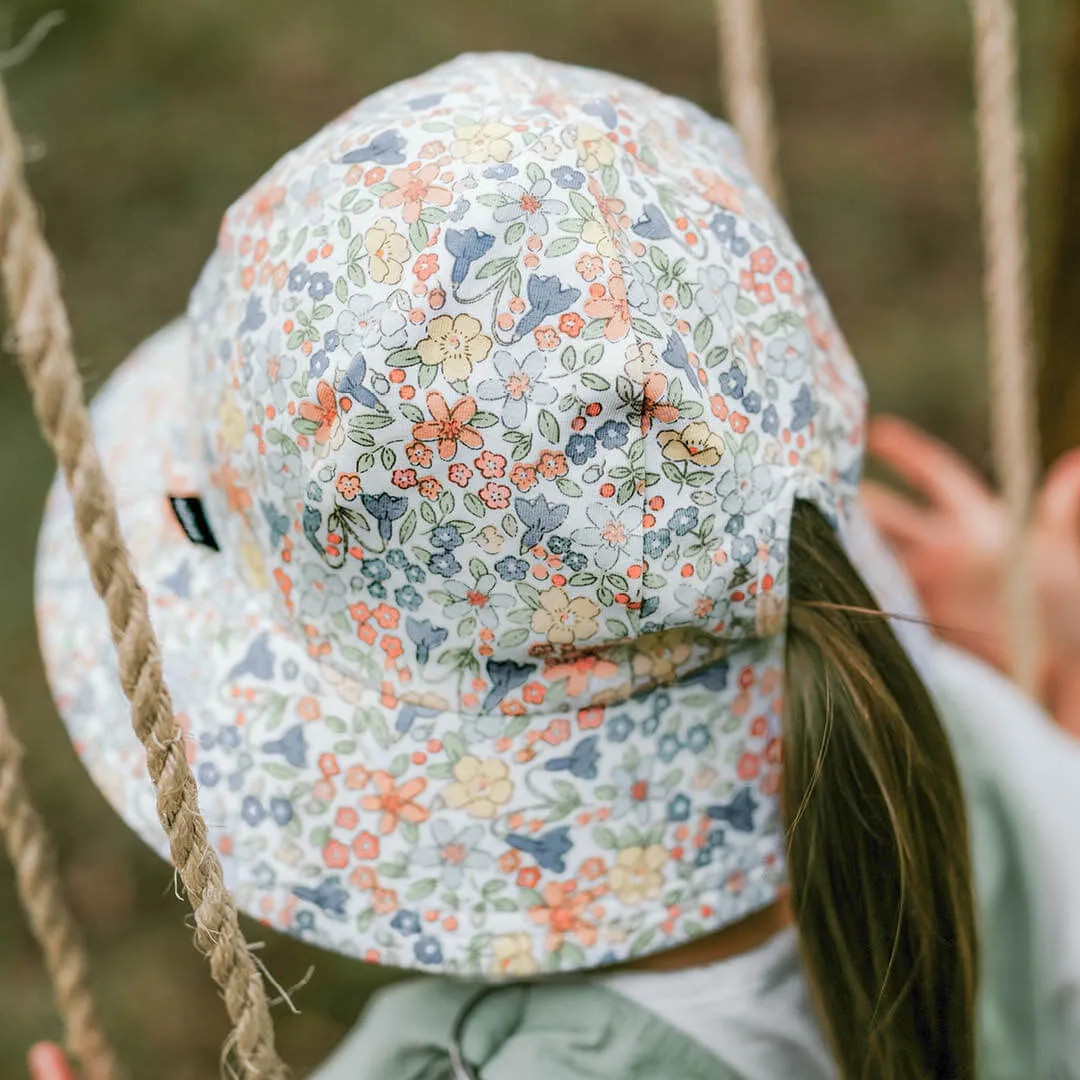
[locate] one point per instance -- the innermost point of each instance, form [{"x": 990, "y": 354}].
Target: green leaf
[
  {"x": 279, "y": 771},
  {"x": 514, "y": 233},
  {"x": 605, "y": 838},
  {"x": 495, "y": 266},
  {"x": 594, "y": 381},
  {"x": 493, "y": 199},
  {"x": 296, "y": 338},
  {"x": 344, "y": 227},
  {"x": 299, "y": 240},
  {"x": 644, "y": 326},
  {"x": 474, "y": 505},
  {"x": 305, "y": 427},
  {"x": 562, "y": 245},
  {"x": 583, "y": 578},
  {"x": 569, "y": 358},
  {"x": 512, "y": 638},
  {"x": 594, "y": 329},
  {"x": 609, "y": 177},
  {"x": 411, "y": 413},
  {"x": 703, "y": 333},
  {"x": 359, "y": 436},
  {"x": 341, "y": 290},
  {"x": 477, "y": 568},
  {"x": 522, "y": 449},
  {"x": 529, "y": 596},
  {"x": 659, "y": 259},
  {"x": 427, "y": 375},
  {"x": 605, "y": 596},
  {"x": 372, "y": 421},
  {"x": 432, "y": 215},
  {"x": 568, "y": 487},
  {"x": 322, "y": 311},
  {"x": 427, "y": 512},
  {"x": 534, "y": 172},
  {"x": 350, "y": 195},
  {"x": 593, "y": 354},
  {"x": 356, "y": 274},
  {"x": 403, "y": 358},
  {"x": 418, "y": 890},
  {"x": 454, "y": 745},
  {"x": 642, "y": 941},
  {"x": 656, "y": 582},
  {"x": 573, "y": 225},
  {"x": 510, "y": 525},
  {"x": 418, "y": 234},
  {"x": 549, "y": 426},
  {"x": 672, "y": 472},
  {"x": 388, "y": 458},
  {"x": 581, "y": 204},
  {"x": 407, "y": 527},
  {"x": 483, "y": 420},
  {"x": 514, "y": 281}
]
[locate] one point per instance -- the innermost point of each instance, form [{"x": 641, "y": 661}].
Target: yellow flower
[
  {"x": 636, "y": 874},
  {"x": 251, "y": 555},
  {"x": 477, "y": 143},
  {"x": 600, "y": 235},
  {"x": 565, "y": 620},
  {"x": 388, "y": 250},
  {"x": 514, "y": 955},
  {"x": 697, "y": 443},
  {"x": 456, "y": 343},
  {"x": 594, "y": 149},
  {"x": 480, "y": 787},
  {"x": 493, "y": 540},
  {"x": 231, "y": 424},
  {"x": 659, "y": 656}
]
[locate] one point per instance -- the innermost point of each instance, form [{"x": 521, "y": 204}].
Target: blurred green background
[{"x": 147, "y": 118}]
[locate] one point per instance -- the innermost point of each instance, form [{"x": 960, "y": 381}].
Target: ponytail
[{"x": 877, "y": 839}]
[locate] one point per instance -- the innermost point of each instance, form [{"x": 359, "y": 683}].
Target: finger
[
  {"x": 929, "y": 465},
  {"x": 900, "y": 520},
  {"x": 1058, "y": 510},
  {"x": 48, "y": 1062}
]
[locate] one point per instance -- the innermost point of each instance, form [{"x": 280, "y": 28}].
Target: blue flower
[
  {"x": 743, "y": 550},
  {"x": 698, "y": 738},
  {"x": 652, "y": 224},
  {"x": 676, "y": 356},
  {"x": 703, "y": 858},
  {"x": 620, "y": 728},
  {"x": 803, "y": 408},
  {"x": 292, "y": 746},
  {"x": 407, "y": 597},
  {"x": 331, "y": 339},
  {"x": 504, "y": 676},
  {"x": 548, "y": 849},
  {"x": 444, "y": 564},
  {"x": 318, "y": 362},
  {"x": 298, "y": 276},
  {"x": 739, "y": 813},
  {"x": 281, "y": 810},
  {"x": 208, "y": 774},
  {"x": 229, "y": 738},
  {"x": 466, "y": 245},
  {"x": 428, "y": 101},
  {"x": 733, "y": 382},
  {"x": 446, "y": 536},
  {"x": 415, "y": 574},
  {"x": 500, "y": 172},
  {"x": 252, "y": 811},
  {"x": 304, "y": 922},
  {"x": 751, "y": 403},
  {"x": 723, "y": 227},
  {"x": 408, "y": 714},
  {"x": 656, "y": 542},
  {"x": 568, "y": 179},
  {"x": 459, "y": 210},
  {"x": 397, "y": 558},
  {"x": 740, "y": 246},
  {"x": 375, "y": 569},
  {"x": 548, "y": 296},
  {"x": 668, "y": 747},
  {"x": 425, "y": 636},
  {"x": 734, "y": 525},
  {"x": 576, "y": 560},
  {"x": 385, "y": 509},
  {"x": 715, "y": 839},
  {"x": 258, "y": 661},
  {"x": 580, "y": 448},
  {"x": 684, "y": 519},
  {"x": 377, "y": 589},
  {"x": 387, "y": 148},
  {"x": 254, "y": 316},
  {"x": 352, "y": 383},
  {"x": 314, "y": 492},
  {"x": 290, "y": 669},
  {"x": 580, "y": 763},
  {"x": 539, "y": 517},
  {"x": 427, "y": 950},
  {"x": 558, "y": 545},
  {"x": 679, "y": 808},
  {"x": 612, "y": 434},
  {"x": 649, "y": 725},
  {"x": 511, "y": 568},
  {"x": 770, "y": 420},
  {"x": 329, "y": 897},
  {"x": 320, "y": 286},
  {"x": 602, "y": 109},
  {"x": 406, "y": 923}
]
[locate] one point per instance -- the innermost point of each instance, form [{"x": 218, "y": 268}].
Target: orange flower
[
  {"x": 523, "y": 476},
  {"x": 384, "y": 901},
  {"x": 552, "y": 463},
  {"x": 413, "y": 189},
  {"x": 571, "y": 323},
  {"x": 611, "y": 304},
  {"x": 324, "y": 413},
  {"x": 366, "y": 846},
  {"x": 336, "y": 855},
  {"x": 449, "y": 426},
  {"x": 364, "y": 878},
  {"x": 561, "y": 912},
  {"x": 394, "y": 802},
  {"x": 579, "y": 670},
  {"x": 547, "y": 337}
]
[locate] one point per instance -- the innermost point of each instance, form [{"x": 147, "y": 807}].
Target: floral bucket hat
[{"x": 462, "y": 499}]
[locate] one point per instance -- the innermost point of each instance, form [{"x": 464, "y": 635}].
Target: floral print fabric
[{"x": 498, "y": 393}]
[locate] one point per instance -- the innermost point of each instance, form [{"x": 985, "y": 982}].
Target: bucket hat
[{"x": 462, "y": 496}]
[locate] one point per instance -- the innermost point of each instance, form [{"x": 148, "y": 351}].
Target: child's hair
[{"x": 877, "y": 838}]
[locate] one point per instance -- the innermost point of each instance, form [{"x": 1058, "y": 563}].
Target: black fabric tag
[{"x": 192, "y": 517}]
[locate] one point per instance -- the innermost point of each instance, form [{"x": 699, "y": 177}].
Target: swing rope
[
  {"x": 43, "y": 341},
  {"x": 37, "y": 883},
  {"x": 745, "y": 78},
  {"x": 1014, "y": 416}
]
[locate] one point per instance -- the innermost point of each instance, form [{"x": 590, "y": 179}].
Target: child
[{"x": 496, "y": 502}]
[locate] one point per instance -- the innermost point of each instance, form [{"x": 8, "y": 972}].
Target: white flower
[
  {"x": 788, "y": 356},
  {"x": 612, "y": 530},
  {"x": 744, "y": 488},
  {"x": 369, "y": 325},
  {"x": 517, "y": 384},
  {"x": 718, "y": 295},
  {"x": 532, "y": 204}
]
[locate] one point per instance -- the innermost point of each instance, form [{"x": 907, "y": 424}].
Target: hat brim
[{"x": 296, "y": 762}]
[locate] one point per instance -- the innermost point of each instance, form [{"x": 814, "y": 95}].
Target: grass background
[{"x": 148, "y": 117}]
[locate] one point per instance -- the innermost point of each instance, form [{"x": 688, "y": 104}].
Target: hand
[
  {"x": 955, "y": 548},
  {"x": 48, "y": 1062}
]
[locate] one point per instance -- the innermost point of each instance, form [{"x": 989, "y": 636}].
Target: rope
[
  {"x": 38, "y": 885},
  {"x": 1012, "y": 377},
  {"x": 48, "y": 363},
  {"x": 741, "y": 36}
]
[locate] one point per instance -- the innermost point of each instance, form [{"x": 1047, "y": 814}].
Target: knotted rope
[
  {"x": 47, "y": 360},
  {"x": 744, "y": 72},
  {"x": 38, "y": 885},
  {"x": 1014, "y": 416}
]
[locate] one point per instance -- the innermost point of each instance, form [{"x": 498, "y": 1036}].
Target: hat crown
[{"x": 506, "y": 383}]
